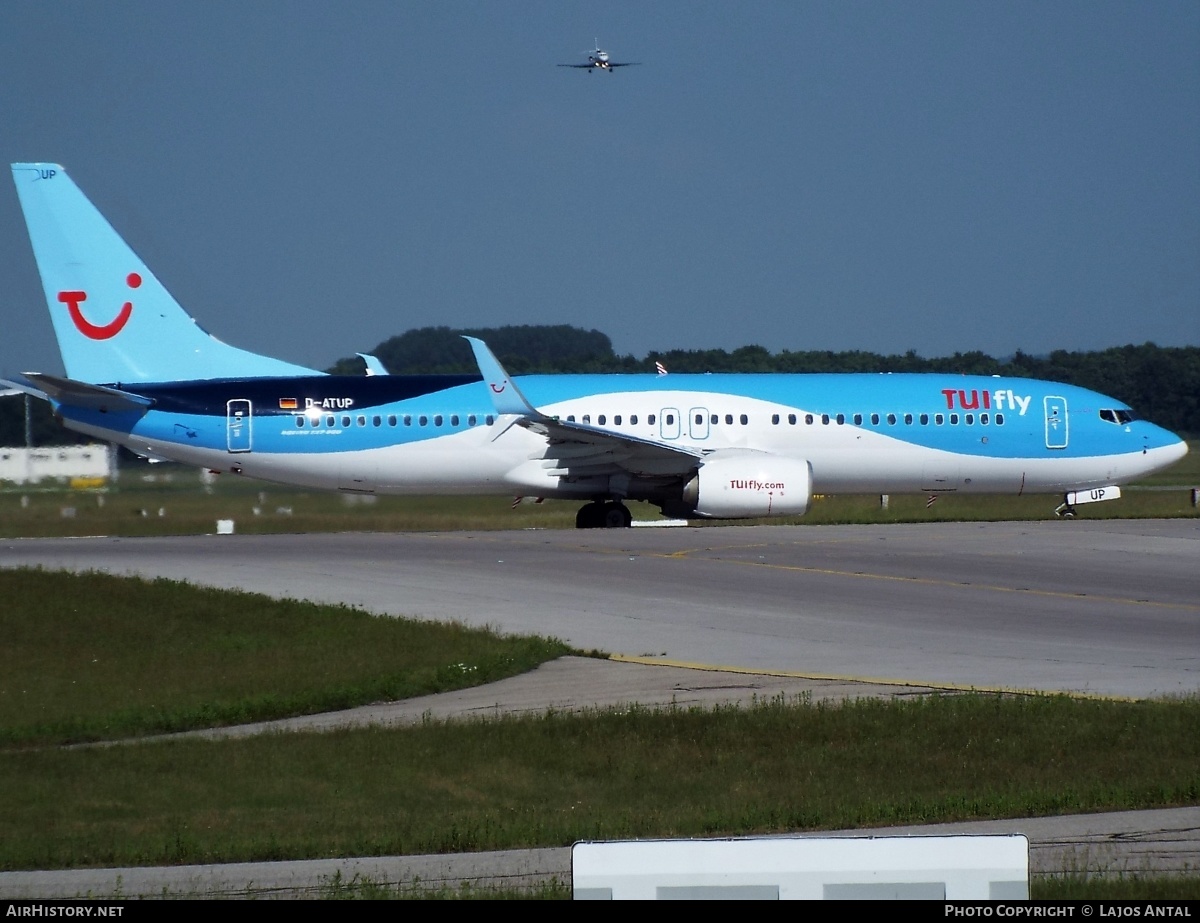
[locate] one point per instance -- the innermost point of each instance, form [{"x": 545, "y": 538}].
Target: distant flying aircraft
[
  {"x": 598, "y": 59},
  {"x": 141, "y": 373}
]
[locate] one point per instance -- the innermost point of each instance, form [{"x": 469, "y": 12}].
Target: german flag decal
[{"x": 288, "y": 403}]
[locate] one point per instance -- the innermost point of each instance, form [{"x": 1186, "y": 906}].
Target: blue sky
[{"x": 311, "y": 178}]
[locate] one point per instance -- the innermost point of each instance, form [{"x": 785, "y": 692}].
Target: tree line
[{"x": 1161, "y": 384}]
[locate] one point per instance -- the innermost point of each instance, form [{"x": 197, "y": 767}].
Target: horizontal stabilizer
[
  {"x": 87, "y": 396},
  {"x": 13, "y": 388}
]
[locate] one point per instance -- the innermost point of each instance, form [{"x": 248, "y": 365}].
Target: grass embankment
[
  {"x": 170, "y": 500},
  {"x": 95, "y": 657},
  {"x": 552, "y": 780}
]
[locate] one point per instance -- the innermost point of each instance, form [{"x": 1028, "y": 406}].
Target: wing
[
  {"x": 577, "y": 449},
  {"x": 624, "y": 63},
  {"x": 584, "y": 66}
]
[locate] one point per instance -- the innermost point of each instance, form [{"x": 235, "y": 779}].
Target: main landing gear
[{"x": 598, "y": 515}]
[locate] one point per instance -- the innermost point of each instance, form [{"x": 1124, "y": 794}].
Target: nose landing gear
[{"x": 1064, "y": 510}]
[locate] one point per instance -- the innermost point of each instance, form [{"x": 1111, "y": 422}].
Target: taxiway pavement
[{"x": 1102, "y": 607}]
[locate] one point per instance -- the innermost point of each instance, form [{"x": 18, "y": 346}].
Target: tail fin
[{"x": 114, "y": 320}]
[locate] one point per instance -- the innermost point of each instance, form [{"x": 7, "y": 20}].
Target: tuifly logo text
[{"x": 957, "y": 399}]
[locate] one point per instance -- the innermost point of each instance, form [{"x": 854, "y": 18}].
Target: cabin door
[
  {"x": 237, "y": 425},
  {"x": 1056, "y": 422}
]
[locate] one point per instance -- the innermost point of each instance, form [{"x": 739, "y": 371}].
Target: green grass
[
  {"x": 92, "y": 657},
  {"x": 169, "y": 500},
  {"x": 1123, "y": 887},
  {"x": 361, "y": 888},
  {"x": 553, "y": 780},
  {"x": 1120, "y": 888}
]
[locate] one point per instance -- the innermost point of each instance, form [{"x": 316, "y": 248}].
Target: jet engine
[{"x": 746, "y": 485}]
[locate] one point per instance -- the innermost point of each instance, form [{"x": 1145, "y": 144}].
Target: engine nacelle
[{"x": 748, "y": 485}]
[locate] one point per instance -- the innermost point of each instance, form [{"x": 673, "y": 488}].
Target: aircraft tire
[
  {"x": 590, "y": 516},
  {"x": 617, "y": 516}
]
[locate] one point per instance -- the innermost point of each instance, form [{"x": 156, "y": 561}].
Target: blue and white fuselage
[{"x": 722, "y": 446}]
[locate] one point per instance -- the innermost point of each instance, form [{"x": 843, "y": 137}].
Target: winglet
[
  {"x": 506, "y": 396},
  {"x": 374, "y": 366}
]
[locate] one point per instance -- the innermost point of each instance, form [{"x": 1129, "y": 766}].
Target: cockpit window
[{"x": 1120, "y": 417}]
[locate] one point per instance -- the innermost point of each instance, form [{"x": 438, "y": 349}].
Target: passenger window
[
  {"x": 983, "y": 418},
  {"x": 825, "y": 419},
  {"x": 939, "y": 419},
  {"x": 969, "y": 419},
  {"x": 587, "y": 418},
  {"x": 874, "y": 419},
  {"x": 329, "y": 420},
  {"x": 841, "y": 419},
  {"x": 570, "y": 418},
  {"x": 423, "y": 420},
  {"x": 744, "y": 420},
  {"x": 617, "y": 420},
  {"x": 362, "y": 420},
  {"x": 377, "y": 421},
  {"x": 908, "y": 419},
  {"x": 454, "y": 419},
  {"x": 792, "y": 419},
  {"x": 670, "y": 419},
  {"x": 924, "y": 419},
  {"x": 999, "y": 419},
  {"x": 437, "y": 420},
  {"x": 858, "y": 419},
  {"x": 408, "y": 419},
  {"x": 633, "y": 419},
  {"x": 489, "y": 419},
  {"x": 891, "y": 419},
  {"x": 600, "y": 420},
  {"x": 300, "y": 422},
  {"x": 729, "y": 418},
  {"x": 650, "y": 419},
  {"x": 774, "y": 419},
  {"x": 472, "y": 419},
  {"x": 808, "y": 418},
  {"x": 954, "y": 419},
  {"x": 391, "y": 419}
]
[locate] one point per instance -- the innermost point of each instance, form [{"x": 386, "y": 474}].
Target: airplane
[
  {"x": 142, "y": 373},
  {"x": 598, "y": 59}
]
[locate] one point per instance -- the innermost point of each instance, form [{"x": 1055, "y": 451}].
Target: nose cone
[
  {"x": 1162, "y": 448},
  {"x": 1177, "y": 451}
]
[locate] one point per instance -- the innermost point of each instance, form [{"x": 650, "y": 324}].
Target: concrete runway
[{"x": 1102, "y": 607}]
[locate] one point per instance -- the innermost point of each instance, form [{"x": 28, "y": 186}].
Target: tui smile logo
[{"x": 99, "y": 331}]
